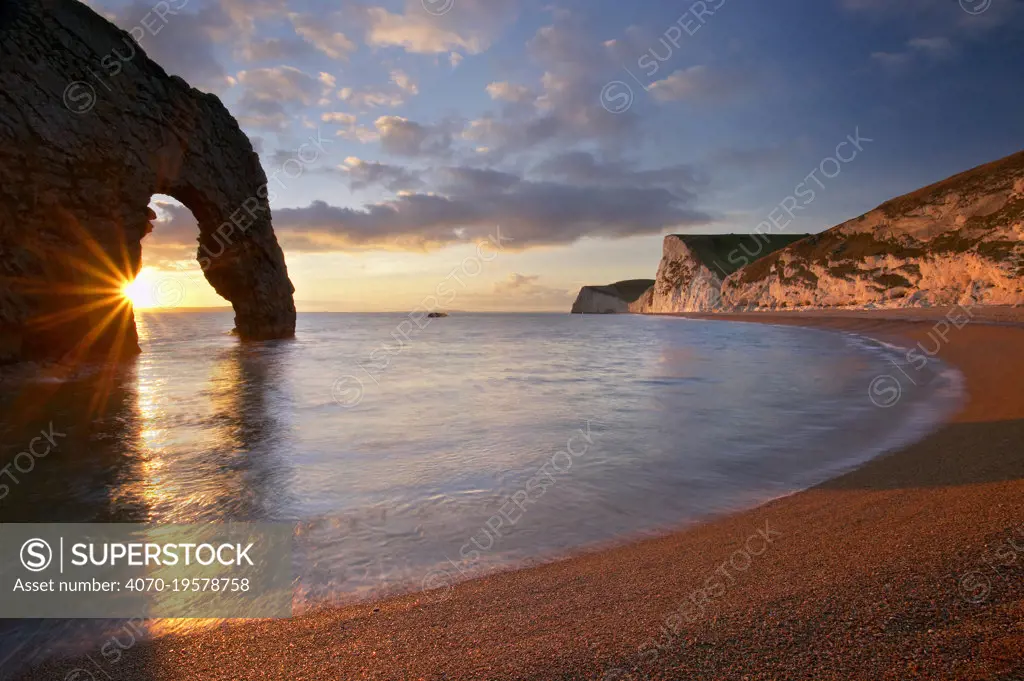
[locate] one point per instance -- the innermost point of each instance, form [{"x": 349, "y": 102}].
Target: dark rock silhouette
[{"x": 90, "y": 129}]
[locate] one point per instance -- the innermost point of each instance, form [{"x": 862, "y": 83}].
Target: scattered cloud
[
  {"x": 699, "y": 83},
  {"x": 245, "y": 13},
  {"x": 285, "y": 84},
  {"x": 510, "y": 92},
  {"x": 516, "y": 282},
  {"x": 470, "y": 29},
  {"x": 565, "y": 110},
  {"x": 274, "y": 49},
  {"x": 403, "y": 137},
  {"x": 318, "y": 33},
  {"x": 583, "y": 168},
  {"x": 401, "y": 87},
  {"x": 175, "y": 236},
  {"x": 341, "y": 118},
  {"x": 529, "y": 291},
  {"x": 531, "y": 213},
  {"x": 364, "y": 174},
  {"x": 917, "y": 50},
  {"x": 350, "y": 128},
  {"x": 185, "y": 44},
  {"x": 404, "y": 82},
  {"x": 935, "y": 47},
  {"x": 369, "y": 98},
  {"x": 271, "y": 94}
]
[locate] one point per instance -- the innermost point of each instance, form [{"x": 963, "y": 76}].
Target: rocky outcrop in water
[
  {"x": 956, "y": 242},
  {"x": 610, "y": 299},
  {"x": 90, "y": 129},
  {"x": 693, "y": 268}
]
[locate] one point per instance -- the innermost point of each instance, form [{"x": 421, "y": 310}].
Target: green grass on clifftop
[{"x": 723, "y": 254}]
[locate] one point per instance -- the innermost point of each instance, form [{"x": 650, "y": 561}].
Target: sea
[{"x": 410, "y": 453}]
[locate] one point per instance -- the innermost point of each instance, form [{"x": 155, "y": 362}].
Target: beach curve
[{"x": 899, "y": 569}]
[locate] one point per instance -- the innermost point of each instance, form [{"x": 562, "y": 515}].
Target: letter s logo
[{"x": 36, "y": 555}]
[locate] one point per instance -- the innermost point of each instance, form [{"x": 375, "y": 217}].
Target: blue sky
[{"x": 435, "y": 122}]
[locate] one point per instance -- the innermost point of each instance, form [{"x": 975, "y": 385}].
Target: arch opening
[{"x": 169, "y": 276}]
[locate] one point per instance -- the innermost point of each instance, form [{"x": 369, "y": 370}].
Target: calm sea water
[{"x": 392, "y": 448}]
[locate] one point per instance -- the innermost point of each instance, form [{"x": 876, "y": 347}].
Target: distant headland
[{"x": 955, "y": 242}]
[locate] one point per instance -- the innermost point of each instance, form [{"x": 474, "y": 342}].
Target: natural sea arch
[{"x": 82, "y": 150}]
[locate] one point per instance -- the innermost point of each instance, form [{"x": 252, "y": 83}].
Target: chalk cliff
[
  {"x": 90, "y": 129},
  {"x": 610, "y": 299},
  {"x": 956, "y": 242},
  {"x": 693, "y": 268}
]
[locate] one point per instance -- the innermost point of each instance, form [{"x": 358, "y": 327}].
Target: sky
[{"x": 513, "y": 151}]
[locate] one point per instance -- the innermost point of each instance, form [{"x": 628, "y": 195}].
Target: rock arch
[{"x": 90, "y": 129}]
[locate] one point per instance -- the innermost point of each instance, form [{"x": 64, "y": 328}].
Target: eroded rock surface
[
  {"x": 90, "y": 129},
  {"x": 956, "y": 242},
  {"x": 693, "y": 268}
]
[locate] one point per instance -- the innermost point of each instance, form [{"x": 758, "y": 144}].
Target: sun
[{"x": 142, "y": 293}]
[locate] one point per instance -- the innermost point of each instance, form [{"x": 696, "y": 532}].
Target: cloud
[
  {"x": 175, "y": 223},
  {"x": 285, "y": 84},
  {"x": 509, "y": 92},
  {"x": 940, "y": 18},
  {"x": 501, "y": 135},
  {"x": 244, "y": 13},
  {"x": 351, "y": 129},
  {"x": 582, "y": 168},
  {"x": 364, "y": 174},
  {"x": 368, "y": 98},
  {"x": 175, "y": 235},
  {"x": 270, "y": 94},
  {"x": 918, "y": 50},
  {"x": 361, "y": 134},
  {"x": 455, "y": 59},
  {"x": 402, "y": 86},
  {"x": 928, "y": 13},
  {"x": 528, "y": 290},
  {"x": 935, "y": 47},
  {"x": 531, "y": 213},
  {"x": 470, "y": 28},
  {"x": 405, "y": 82},
  {"x": 183, "y": 43},
  {"x": 319, "y": 33},
  {"x": 515, "y": 282},
  {"x": 566, "y": 110},
  {"x": 417, "y": 33},
  {"x": 345, "y": 119},
  {"x": 403, "y": 137},
  {"x": 274, "y": 49},
  {"x": 699, "y": 83}
]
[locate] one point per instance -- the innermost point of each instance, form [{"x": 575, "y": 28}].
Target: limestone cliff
[
  {"x": 90, "y": 129},
  {"x": 609, "y": 299},
  {"x": 693, "y": 268},
  {"x": 957, "y": 242}
]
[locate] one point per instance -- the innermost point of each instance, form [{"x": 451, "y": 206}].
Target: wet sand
[{"x": 910, "y": 567}]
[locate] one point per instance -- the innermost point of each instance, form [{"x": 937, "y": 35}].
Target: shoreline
[{"x": 860, "y": 576}]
